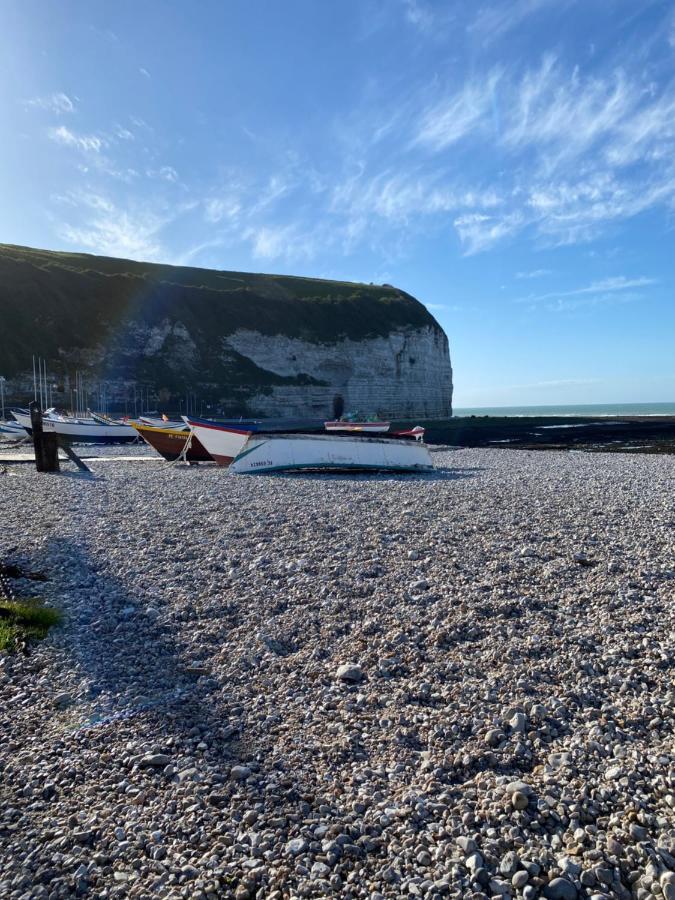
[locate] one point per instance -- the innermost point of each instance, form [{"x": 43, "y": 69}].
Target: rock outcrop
[{"x": 222, "y": 342}]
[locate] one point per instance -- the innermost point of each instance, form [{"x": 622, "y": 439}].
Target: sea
[{"x": 581, "y": 409}]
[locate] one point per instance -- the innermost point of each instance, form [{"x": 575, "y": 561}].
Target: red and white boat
[
  {"x": 360, "y": 427},
  {"x": 221, "y": 442}
]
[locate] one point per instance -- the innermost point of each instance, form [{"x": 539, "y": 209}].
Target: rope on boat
[{"x": 182, "y": 456}]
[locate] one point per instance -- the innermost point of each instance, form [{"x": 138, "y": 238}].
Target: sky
[{"x": 509, "y": 163}]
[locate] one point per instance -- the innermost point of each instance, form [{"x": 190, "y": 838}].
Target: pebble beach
[{"x": 452, "y": 685}]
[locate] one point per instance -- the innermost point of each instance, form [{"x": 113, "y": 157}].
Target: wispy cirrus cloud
[
  {"x": 419, "y": 14},
  {"x": 558, "y": 147},
  {"x": 534, "y": 273},
  {"x": 463, "y": 113},
  {"x": 287, "y": 242},
  {"x": 57, "y": 103},
  {"x": 616, "y": 289},
  {"x": 478, "y": 231},
  {"x": 494, "y": 20},
  {"x": 218, "y": 209},
  {"x": 572, "y": 143},
  {"x": 86, "y": 143},
  {"x": 106, "y": 228},
  {"x": 165, "y": 173}
]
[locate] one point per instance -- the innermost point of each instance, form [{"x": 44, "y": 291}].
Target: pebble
[
  {"x": 560, "y": 889},
  {"x": 503, "y": 729},
  {"x": 519, "y": 800},
  {"x": 349, "y": 672}
]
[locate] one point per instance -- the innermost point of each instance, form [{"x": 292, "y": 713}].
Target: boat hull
[
  {"x": 12, "y": 430},
  {"x": 264, "y": 453},
  {"x": 358, "y": 427},
  {"x": 79, "y": 432},
  {"x": 220, "y": 442},
  {"x": 170, "y": 443}
]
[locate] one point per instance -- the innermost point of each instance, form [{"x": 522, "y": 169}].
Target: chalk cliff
[{"x": 227, "y": 342}]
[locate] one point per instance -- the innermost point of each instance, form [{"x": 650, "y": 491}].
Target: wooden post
[{"x": 45, "y": 445}]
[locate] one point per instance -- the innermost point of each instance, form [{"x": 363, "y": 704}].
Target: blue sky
[{"x": 511, "y": 164}]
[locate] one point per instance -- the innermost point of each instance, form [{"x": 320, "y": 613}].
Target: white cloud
[
  {"x": 453, "y": 118},
  {"x": 87, "y": 143},
  {"x": 419, "y": 14},
  {"x": 281, "y": 242},
  {"x": 217, "y": 209},
  {"x": 582, "y": 151},
  {"x": 165, "y": 173},
  {"x": 617, "y": 289},
  {"x": 144, "y": 72},
  {"x": 123, "y": 134},
  {"x": 479, "y": 232},
  {"x": 535, "y": 273},
  {"x": 495, "y": 20},
  {"x": 187, "y": 258},
  {"x": 112, "y": 231},
  {"x": 57, "y": 103}
]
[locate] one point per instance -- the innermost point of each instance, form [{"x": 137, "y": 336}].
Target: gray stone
[
  {"x": 154, "y": 761},
  {"x": 519, "y": 800},
  {"x": 560, "y": 889},
  {"x": 467, "y": 844},
  {"x": 296, "y": 846},
  {"x": 62, "y": 701},
  {"x": 519, "y": 879},
  {"x": 349, "y": 672},
  {"x": 494, "y": 737}
]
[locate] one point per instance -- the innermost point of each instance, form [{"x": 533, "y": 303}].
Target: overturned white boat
[{"x": 264, "y": 453}]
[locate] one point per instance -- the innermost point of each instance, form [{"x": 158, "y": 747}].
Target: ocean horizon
[{"x": 572, "y": 410}]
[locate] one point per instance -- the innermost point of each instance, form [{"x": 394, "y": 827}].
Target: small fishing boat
[
  {"x": 362, "y": 427},
  {"x": 221, "y": 442},
  {"x": 171, "y": 443},
  {"x": 263, "y": 453},
  {"x": 12, "y": 430},
  {"x": 80, "y": 432}
]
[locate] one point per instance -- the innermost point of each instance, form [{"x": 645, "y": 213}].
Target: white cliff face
[{"x": 405, "y": 374}]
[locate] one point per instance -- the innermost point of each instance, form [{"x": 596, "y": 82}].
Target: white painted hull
[
  {"x": 277, "y": 453},
  {"x": 82, "y": 432},
  {"x": 222, "y": 444}
]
